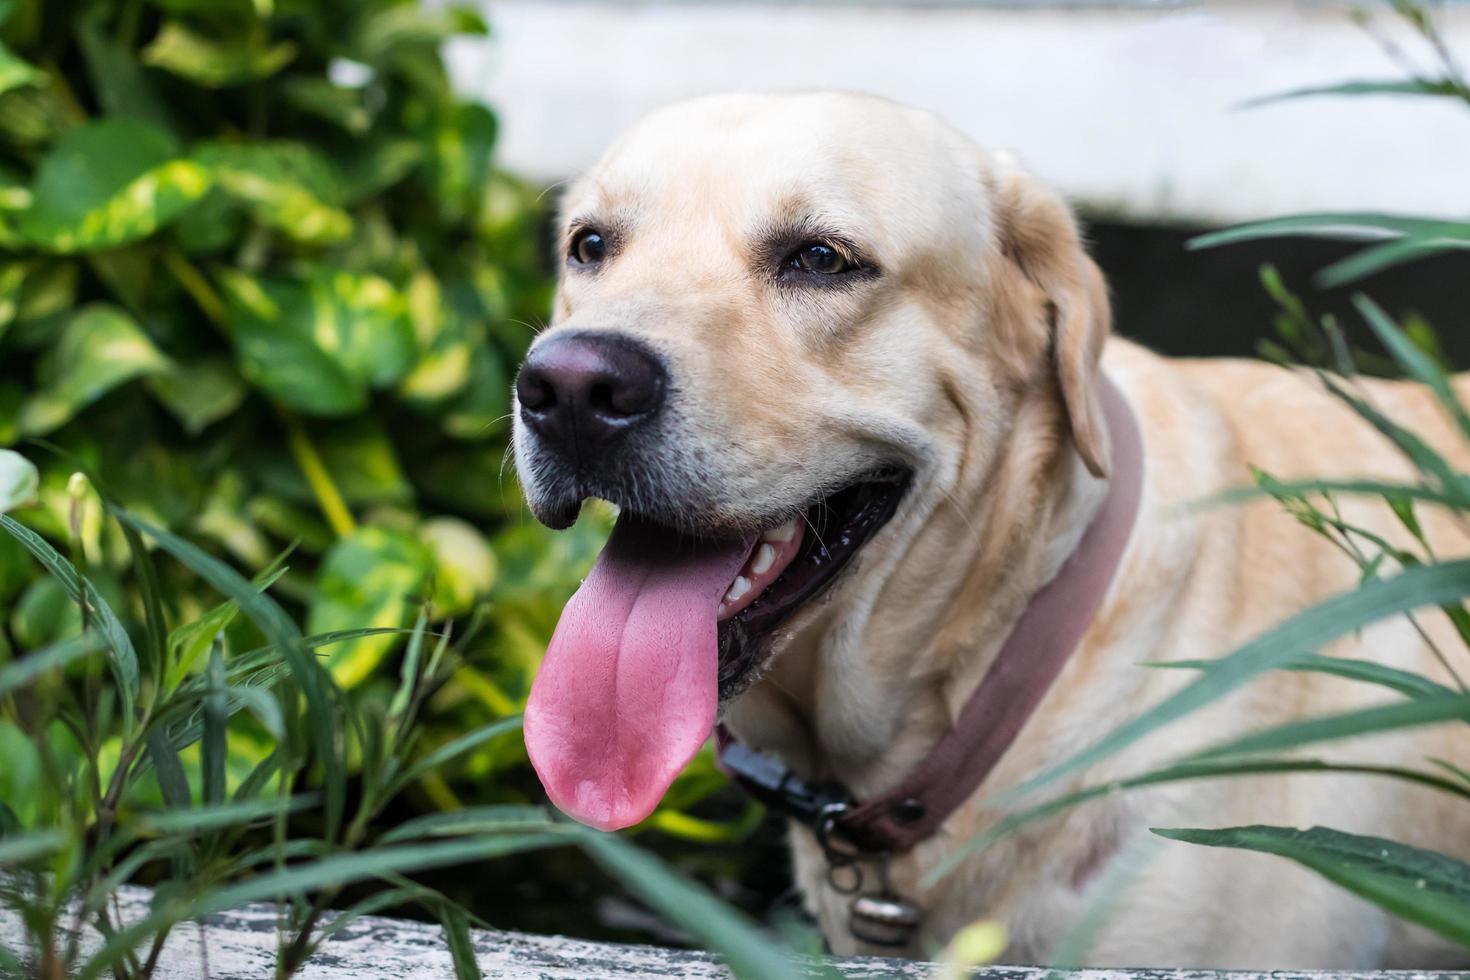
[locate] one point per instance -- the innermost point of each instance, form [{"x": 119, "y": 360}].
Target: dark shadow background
[{"x": 1210, "y": 303}]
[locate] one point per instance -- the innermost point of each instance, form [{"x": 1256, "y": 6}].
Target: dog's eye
[
  {"x": 588, "y": 247},
  {"x": 820, "y": 259}
]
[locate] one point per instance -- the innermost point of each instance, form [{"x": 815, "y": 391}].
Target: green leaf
[
  {"x": 19, "y": 673},
  {"x": 459, "y": 143},
  {"x": 122, "y": 658},
  {"x": 17, "y": 73},
  {"x": 461, "y": 944},
  {"x": 378, "y": 166},
  {"x": 287, "y": 186},
  {"x": 100, "y": 348},
  {"x": 1350, "y": 225},
  {"x": 1422, "y": 886},
  {"x": 1374, "y": 260},
  {"x": 120, "y": 83},
  {"x": 464, "y": 565},
  {"x": 1415, "y": 362},
  {"x": 485, "y": 402},
  {"x": 452, "y": 750},
  {"x": 173, "y": 782},
  {"x": 470, "y": 822},
  {"x": 19, "y": 480},
  {"x": 1309, "y": 630},
  {"x": 1349, "y": 724},
  {"x": 212, "y": 62},
  {"x": 320, "y": 98},
  {"x": 189, "y": 642},
  {"x": 1394, "y": 86},
  {"x": 362, "y": 461},
  {"x": 1404, "y": 681},
  {"x": 213, "y": 746},
  {"x": 201, "y": 392},
  {"x": 107, "y": 183},
  {"x": 27, "y": 847},
  {"x": 193, "y": 820},
  {"x": 720, "y": 927},
  {"x": 318, "y": 345},
  {"x": 366, "y": 580},
  {"x": 1184, "y": 771},
  {"x": 44, "y": 614}
]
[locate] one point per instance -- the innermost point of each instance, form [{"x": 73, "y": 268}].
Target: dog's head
[{"x": 787, "y": 326}]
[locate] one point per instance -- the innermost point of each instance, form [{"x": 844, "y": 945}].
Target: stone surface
[{"x": 241, "y": 945}]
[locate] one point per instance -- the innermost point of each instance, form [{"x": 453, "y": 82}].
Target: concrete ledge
[{"x": 241, "y": 945}]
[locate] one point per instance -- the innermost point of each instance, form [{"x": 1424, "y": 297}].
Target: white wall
[{"x": 1126, "y": 110}]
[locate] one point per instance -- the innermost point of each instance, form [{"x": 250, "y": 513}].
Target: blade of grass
[
  {"x": 1307, "y": 631},
  {"x": 1416, "y": 884},
  {"x": 1415, "y": 362},
  {"x": 169, "y": 769},
  {"x": 191, "y": 820},
  {"x": 155, "y": 632},
  {"x": 213, "y": 746},
  {"x": 1348, "y": 724},
  {"x": 19, "y": 673},
  {"x": 452, "y": 750},
  {"x": 1405, "y": 682},
  {"x": 1436, "y": 87},
  {"x": 1369, "y": 488},
  {"x": 1358, "y": 225},
  {"x": 122, "y": 658},
  {"x": 1381, "y": 257},
  {"x": 470, "y": 821},
  {"x": 724, "y": 930},
  {"x": 1217, "y": 768},
  {"x": 461, "y": 945},
  {"x": 315, "y": 685},
  {"x": 27, "y": 847}
]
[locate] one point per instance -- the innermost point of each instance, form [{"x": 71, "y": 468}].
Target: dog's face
[{"x": 783, "y": 321}]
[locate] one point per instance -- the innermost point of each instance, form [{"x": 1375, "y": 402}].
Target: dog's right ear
[{"x": 1051, "y": 297}]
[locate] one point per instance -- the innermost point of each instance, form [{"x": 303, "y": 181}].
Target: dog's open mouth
[
  {"x": 794, "y": 564},
  {"x": 665, "y": 626}
]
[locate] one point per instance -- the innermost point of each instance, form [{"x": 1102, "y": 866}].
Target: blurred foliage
[{"x": 261, "y": 279}]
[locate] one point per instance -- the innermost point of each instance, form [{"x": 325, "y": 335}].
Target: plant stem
[
  {"x": 329, "y": 498},
  {"x": 197, "y": 286}
]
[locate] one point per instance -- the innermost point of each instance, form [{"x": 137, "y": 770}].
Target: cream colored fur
[{"x": 973, "y": 358}]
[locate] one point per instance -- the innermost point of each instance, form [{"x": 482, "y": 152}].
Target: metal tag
[{"x": 883, "y": 920}]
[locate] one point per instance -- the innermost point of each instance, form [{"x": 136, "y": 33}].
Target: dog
[{"x": 842, "y": 371}]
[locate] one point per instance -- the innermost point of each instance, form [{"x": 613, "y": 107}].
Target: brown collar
[{"x": 1039, "y": 646}]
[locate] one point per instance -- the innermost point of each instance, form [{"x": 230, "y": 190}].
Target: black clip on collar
[{"x": 818, "y": 805}]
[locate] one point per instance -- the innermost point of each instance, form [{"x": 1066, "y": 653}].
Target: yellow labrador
[{"x": 842, "y": 372}]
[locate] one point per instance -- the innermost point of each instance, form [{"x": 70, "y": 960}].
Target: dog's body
[
  {"x": 964, "y": 342},
  {"x": 1194, "y": 584}
]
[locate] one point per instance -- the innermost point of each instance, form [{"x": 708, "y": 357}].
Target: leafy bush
[
  {"x": 1421, "y": 886},
  {"x": 261, "y": 281},
  {"x": 261, "y": 277},
  {"x": 68, "y": 838}
]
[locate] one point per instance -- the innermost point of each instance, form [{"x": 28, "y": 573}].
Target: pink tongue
[{"x": 627, "y": 692}]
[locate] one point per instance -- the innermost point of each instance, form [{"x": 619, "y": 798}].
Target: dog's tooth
[
  {"x": 782, "y": 534},
  {"x": 765, "y": 557},
  {"x": 738, "y": 588}
]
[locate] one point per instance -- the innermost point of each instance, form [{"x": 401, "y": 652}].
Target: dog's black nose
[{"x": 583, "y": 390}]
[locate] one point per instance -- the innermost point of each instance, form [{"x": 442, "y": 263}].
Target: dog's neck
[{"x": 861, "y": 694}]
